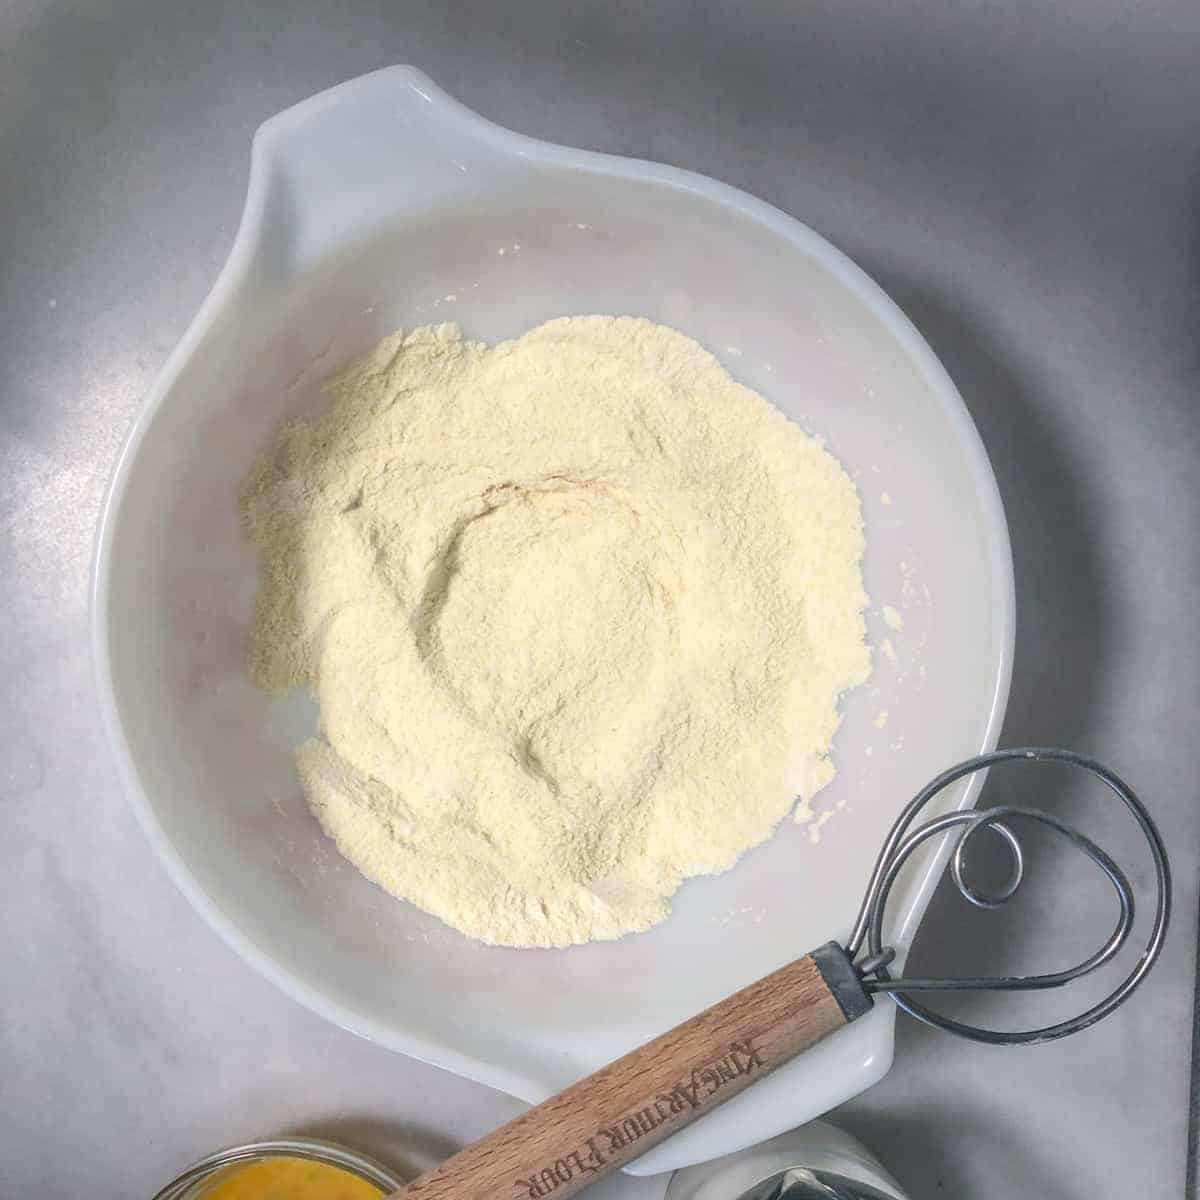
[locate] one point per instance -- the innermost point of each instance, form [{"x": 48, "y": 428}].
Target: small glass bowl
[{"x": 188, "y": 1185}]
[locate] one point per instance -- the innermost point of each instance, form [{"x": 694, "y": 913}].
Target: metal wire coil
[{"x": 903, "y": 840}]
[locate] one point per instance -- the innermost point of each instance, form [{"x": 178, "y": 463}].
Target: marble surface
[{"x": 1022, "y": 178}]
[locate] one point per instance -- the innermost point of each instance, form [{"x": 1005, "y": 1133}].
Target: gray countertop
[{"x": 1021, "y": 177}]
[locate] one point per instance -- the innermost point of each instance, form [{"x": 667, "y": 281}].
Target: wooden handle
[{"x": 573, "y": 1139}]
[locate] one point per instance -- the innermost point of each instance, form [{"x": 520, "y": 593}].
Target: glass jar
[
  {"x": 818, "y": 1161},
  {"x": 194, "y": 1181}
]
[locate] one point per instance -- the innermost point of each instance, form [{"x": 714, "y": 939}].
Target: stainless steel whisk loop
[{"x": 904, "y": 839}]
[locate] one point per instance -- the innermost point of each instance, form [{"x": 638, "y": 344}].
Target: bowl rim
[{"x": 267, "y": 144}]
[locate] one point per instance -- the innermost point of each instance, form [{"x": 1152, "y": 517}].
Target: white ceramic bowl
[{"x": 384, "y": 203}]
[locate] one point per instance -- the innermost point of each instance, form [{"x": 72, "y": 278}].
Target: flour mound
[{"x": 577, "y": 611}]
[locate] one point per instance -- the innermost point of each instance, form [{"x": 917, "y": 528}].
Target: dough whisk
[{"x": 596, "y": 1126}]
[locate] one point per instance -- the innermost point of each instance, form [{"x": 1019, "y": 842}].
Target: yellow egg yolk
[{"x": 287, "y": 1179}]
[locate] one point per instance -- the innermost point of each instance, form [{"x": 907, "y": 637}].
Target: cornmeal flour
[{"x": 577, "y": 610}]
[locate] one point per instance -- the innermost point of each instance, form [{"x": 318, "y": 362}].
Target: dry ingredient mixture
[{"x": 577, "y": 610}]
